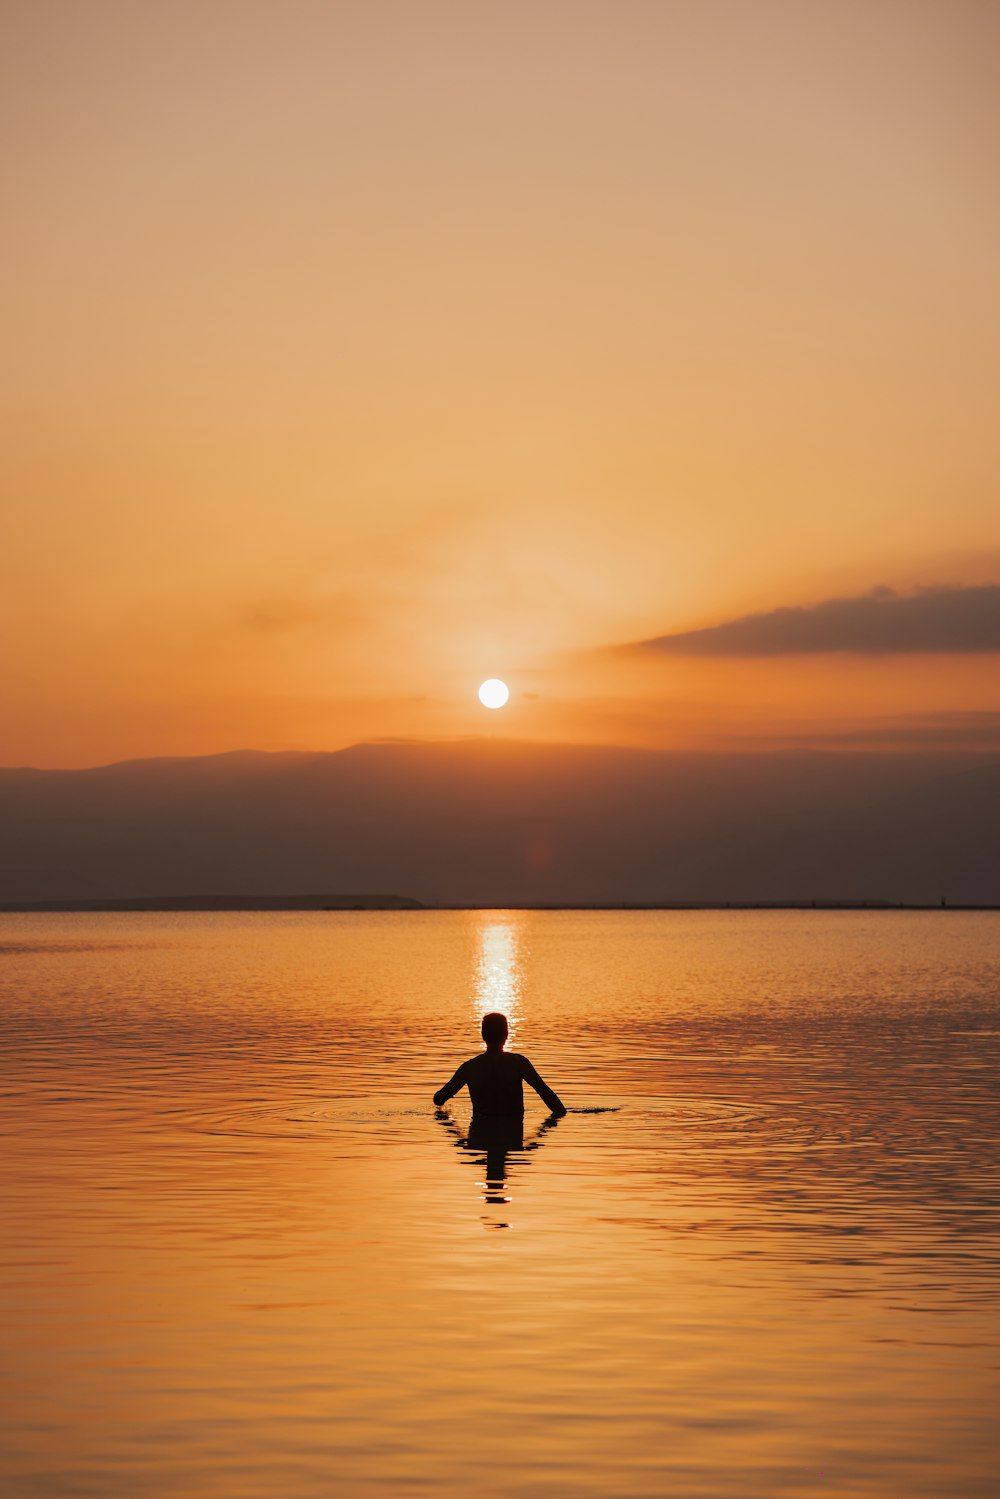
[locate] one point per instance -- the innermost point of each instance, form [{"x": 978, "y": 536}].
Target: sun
[{"x": 493, "y": 693}]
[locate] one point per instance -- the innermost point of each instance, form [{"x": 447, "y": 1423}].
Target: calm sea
[{"x": 243, "y": 1256}]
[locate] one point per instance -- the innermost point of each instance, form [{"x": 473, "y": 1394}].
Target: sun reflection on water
[{"x": 499, "y": 969}]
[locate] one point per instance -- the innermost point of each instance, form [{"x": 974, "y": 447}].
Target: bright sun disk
[{"x": 493, "y": 693}]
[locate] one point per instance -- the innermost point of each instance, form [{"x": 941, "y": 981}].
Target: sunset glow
[
  {"x": 500, "y": 748},
  {"x": 648, "y": 352}
]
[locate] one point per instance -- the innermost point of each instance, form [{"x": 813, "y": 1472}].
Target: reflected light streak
[{"x": 498, "y": 983}]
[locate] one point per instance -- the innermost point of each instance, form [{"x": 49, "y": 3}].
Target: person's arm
[
  {"x": 450, "y": 1088},
  {"x": 542, "y": 1088}
]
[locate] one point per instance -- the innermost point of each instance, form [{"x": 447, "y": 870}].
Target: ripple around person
[
  {"x": 768, "y": 1126},
  {"x": 304, "y": 1117}
]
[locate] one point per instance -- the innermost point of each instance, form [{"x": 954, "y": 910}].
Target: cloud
[
  {"x": 946, "y": 619},
  {"x": 279, "y": 613},
  {"x": 954, "y": 730}
]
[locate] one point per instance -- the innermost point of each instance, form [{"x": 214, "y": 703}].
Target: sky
[{"x": 641, "y": 354}]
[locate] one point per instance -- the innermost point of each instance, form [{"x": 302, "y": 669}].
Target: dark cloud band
[{"x": 878, "y": 623}]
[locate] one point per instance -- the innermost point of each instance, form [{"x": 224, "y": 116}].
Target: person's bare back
[{"x": 495, "y": 1077}]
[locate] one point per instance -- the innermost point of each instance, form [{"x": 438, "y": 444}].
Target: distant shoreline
[
  {"x": 141, "y": 903},
  {"x": 354, "y": 903}
]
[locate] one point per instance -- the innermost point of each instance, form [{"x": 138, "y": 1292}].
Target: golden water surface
[{"x": 243, "y": 1255}]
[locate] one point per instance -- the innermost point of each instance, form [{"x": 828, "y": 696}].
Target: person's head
[{"x": 495, "y": 1029}]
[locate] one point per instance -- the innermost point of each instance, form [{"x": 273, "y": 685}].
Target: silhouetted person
[{"x": 494, "y": 1079}]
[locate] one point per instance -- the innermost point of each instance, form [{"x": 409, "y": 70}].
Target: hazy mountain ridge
[{"x": 494, "y": 822}]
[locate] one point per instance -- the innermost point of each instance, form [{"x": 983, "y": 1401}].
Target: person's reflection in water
[
  {"x": 495, "y": 1080},
  {"x": 488, "y": 1143}
]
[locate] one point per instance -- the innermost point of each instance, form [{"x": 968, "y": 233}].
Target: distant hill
[
  {"x": 488, "y": 822},
  {"x": 341, "y": 902}
]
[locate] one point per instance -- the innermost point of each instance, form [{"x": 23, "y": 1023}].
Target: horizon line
[
  {"x": 819, "y": 746},
  {"x": 351, "y": 903}
]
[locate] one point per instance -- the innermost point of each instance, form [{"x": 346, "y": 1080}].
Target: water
[{"x": 242, "y": 1255}]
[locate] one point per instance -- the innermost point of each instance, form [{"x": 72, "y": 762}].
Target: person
[{"x": 494, "y": 1079}]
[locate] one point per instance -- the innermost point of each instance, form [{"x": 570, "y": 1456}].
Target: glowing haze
[{"x": 357, "y": 352}]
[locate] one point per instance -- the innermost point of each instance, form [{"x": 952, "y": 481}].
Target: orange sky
[{"x": 356, "y": 352}]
